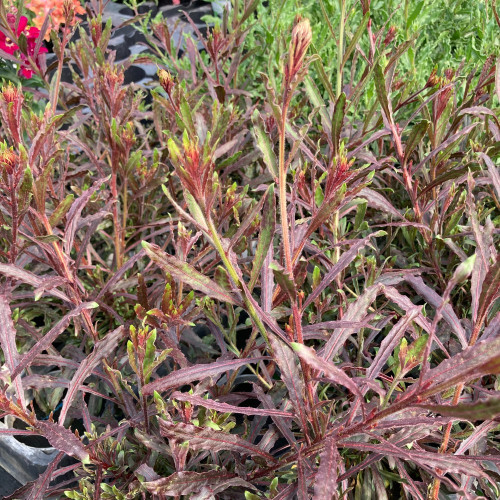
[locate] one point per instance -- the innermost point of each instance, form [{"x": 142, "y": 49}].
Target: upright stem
[
  {"x": 340, "y": 51},
  {"x": 234, "y": 276},
  {"x": 282, "y": 191}
]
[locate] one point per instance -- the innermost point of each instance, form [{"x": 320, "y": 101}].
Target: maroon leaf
[
  {"x": 330, "y": 371},
  {"x": 474, "y": 362},
  {"x": 436, "y": 301},
  {"x": 391, "y": 340},
  {"x": 102, "y": 350},
  {"x": 75, "y": 212},
  {"x": 325, "y": 484},
  {"x": 290, "y": 374},
  {"x": 187, "y": 483},
  {"x": 196, "y": 372},
  {"x": 46, "y": 341},
  {"x": 447, "y": 463},
  {"x": 205, "y": 438},
  {"x": 32, "y": 279},
  {"x": 345, "y": 259},
  {"x": 356, "y": 311},
  {"x": 8, "y": 344},
  {"x": 227, "y": 408},
  {"x": 63, "y": 440}
]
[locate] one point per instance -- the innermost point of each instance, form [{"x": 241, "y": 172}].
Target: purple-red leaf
[
  {"x": 102, "y": 350},
  {"x": 63, "y": 440},
  {"x": 197, "y": 372},
  {"x": 205, "y": 438},
  {"x": 325, "y": 484},
  {"x": 46, "y": 341},
  {"x": 227, "y": 408},
  {"x": 187, "y": 483},
  {"x": 331, "y": 372},
  {"x": 474, "y": 362}
]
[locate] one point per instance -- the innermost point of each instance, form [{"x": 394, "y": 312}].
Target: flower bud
[
  {"x": 301, "y": 39},
  {"x": 166, "y": 80}
]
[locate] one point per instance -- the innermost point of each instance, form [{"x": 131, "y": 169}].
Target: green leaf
[
  {"x": 264, "y": 145},
  {"x": 284, "y": 280},
  {"x": 337, "y": 121},
  {"x": 318, "y": 102},
  {"x": 355, "y": 38},
  {"x": 188, "y": 274},
  {"x": 416, "y": 135},
  {"x": 61, "y": 210},
  {"x": 267, "y": 228},
  {"x": 382, "y": 91}
]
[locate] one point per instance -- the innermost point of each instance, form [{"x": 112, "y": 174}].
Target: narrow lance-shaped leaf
[
  {"x": 61, "y": 210},
  {"x": 337, "y": 122},
  {"x": 481, "y": 359},
  {"x": 63, "y": 440},
  {"x": 266, "y": 234},
  {"x": 390, "y": 342},
  {"x": 264, "y": 145},
  {"x": 345, "y": 259},
  {"x": 102, "y": 349},
  {"x": 227, "y": 408},
  {"x": 490, "y": 291},
  {"x": 197, "y": 372},
  {"x": 325, "y": 484},
  {"x": 205, "y": 438},
  {"x": 284, "y": 280},
  {"x": 187, "y": 483},
  {"x": 483, "y": 410},
  {"x": 318, "y": 102},
  {"x": 382, "y": 91},
  {"x": 8, "y": 344},
  {"x": 330, "y": 371},
  {"x": 416, "y": 135},
  {"x": 187, "y": 274},
  {"x": 290, "y": 374},
  {"x": 46, "y": 341}
]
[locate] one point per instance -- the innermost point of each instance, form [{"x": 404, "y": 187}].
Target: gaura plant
[{"x": 234, "y": 287}]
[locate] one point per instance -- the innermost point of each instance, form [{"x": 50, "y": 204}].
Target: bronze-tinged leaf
[
  {"x": 197, "y": 372},
  {"x": 188, "y": 274},
  {"x": 482, "y": 410},
  {"x": 205, "y": 438},
  {"x": 63, "y": 439},
  {"x": 490, "y": 290},
  {"x": 187, "y": 483}
]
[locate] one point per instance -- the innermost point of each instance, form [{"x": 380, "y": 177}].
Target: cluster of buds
[
  {"x": 440, "y": 103},
  {"x": 195, "y": 168},
  {"x": 391, "y": 33},
  {"x": 11, "y": 102},
  {"x": 340, "y": 172},
  {"x": 301, "y": 39},
  {"x": 29, "y": 37}
]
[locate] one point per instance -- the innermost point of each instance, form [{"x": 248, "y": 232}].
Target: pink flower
[{"x": 31, "y": 34}]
